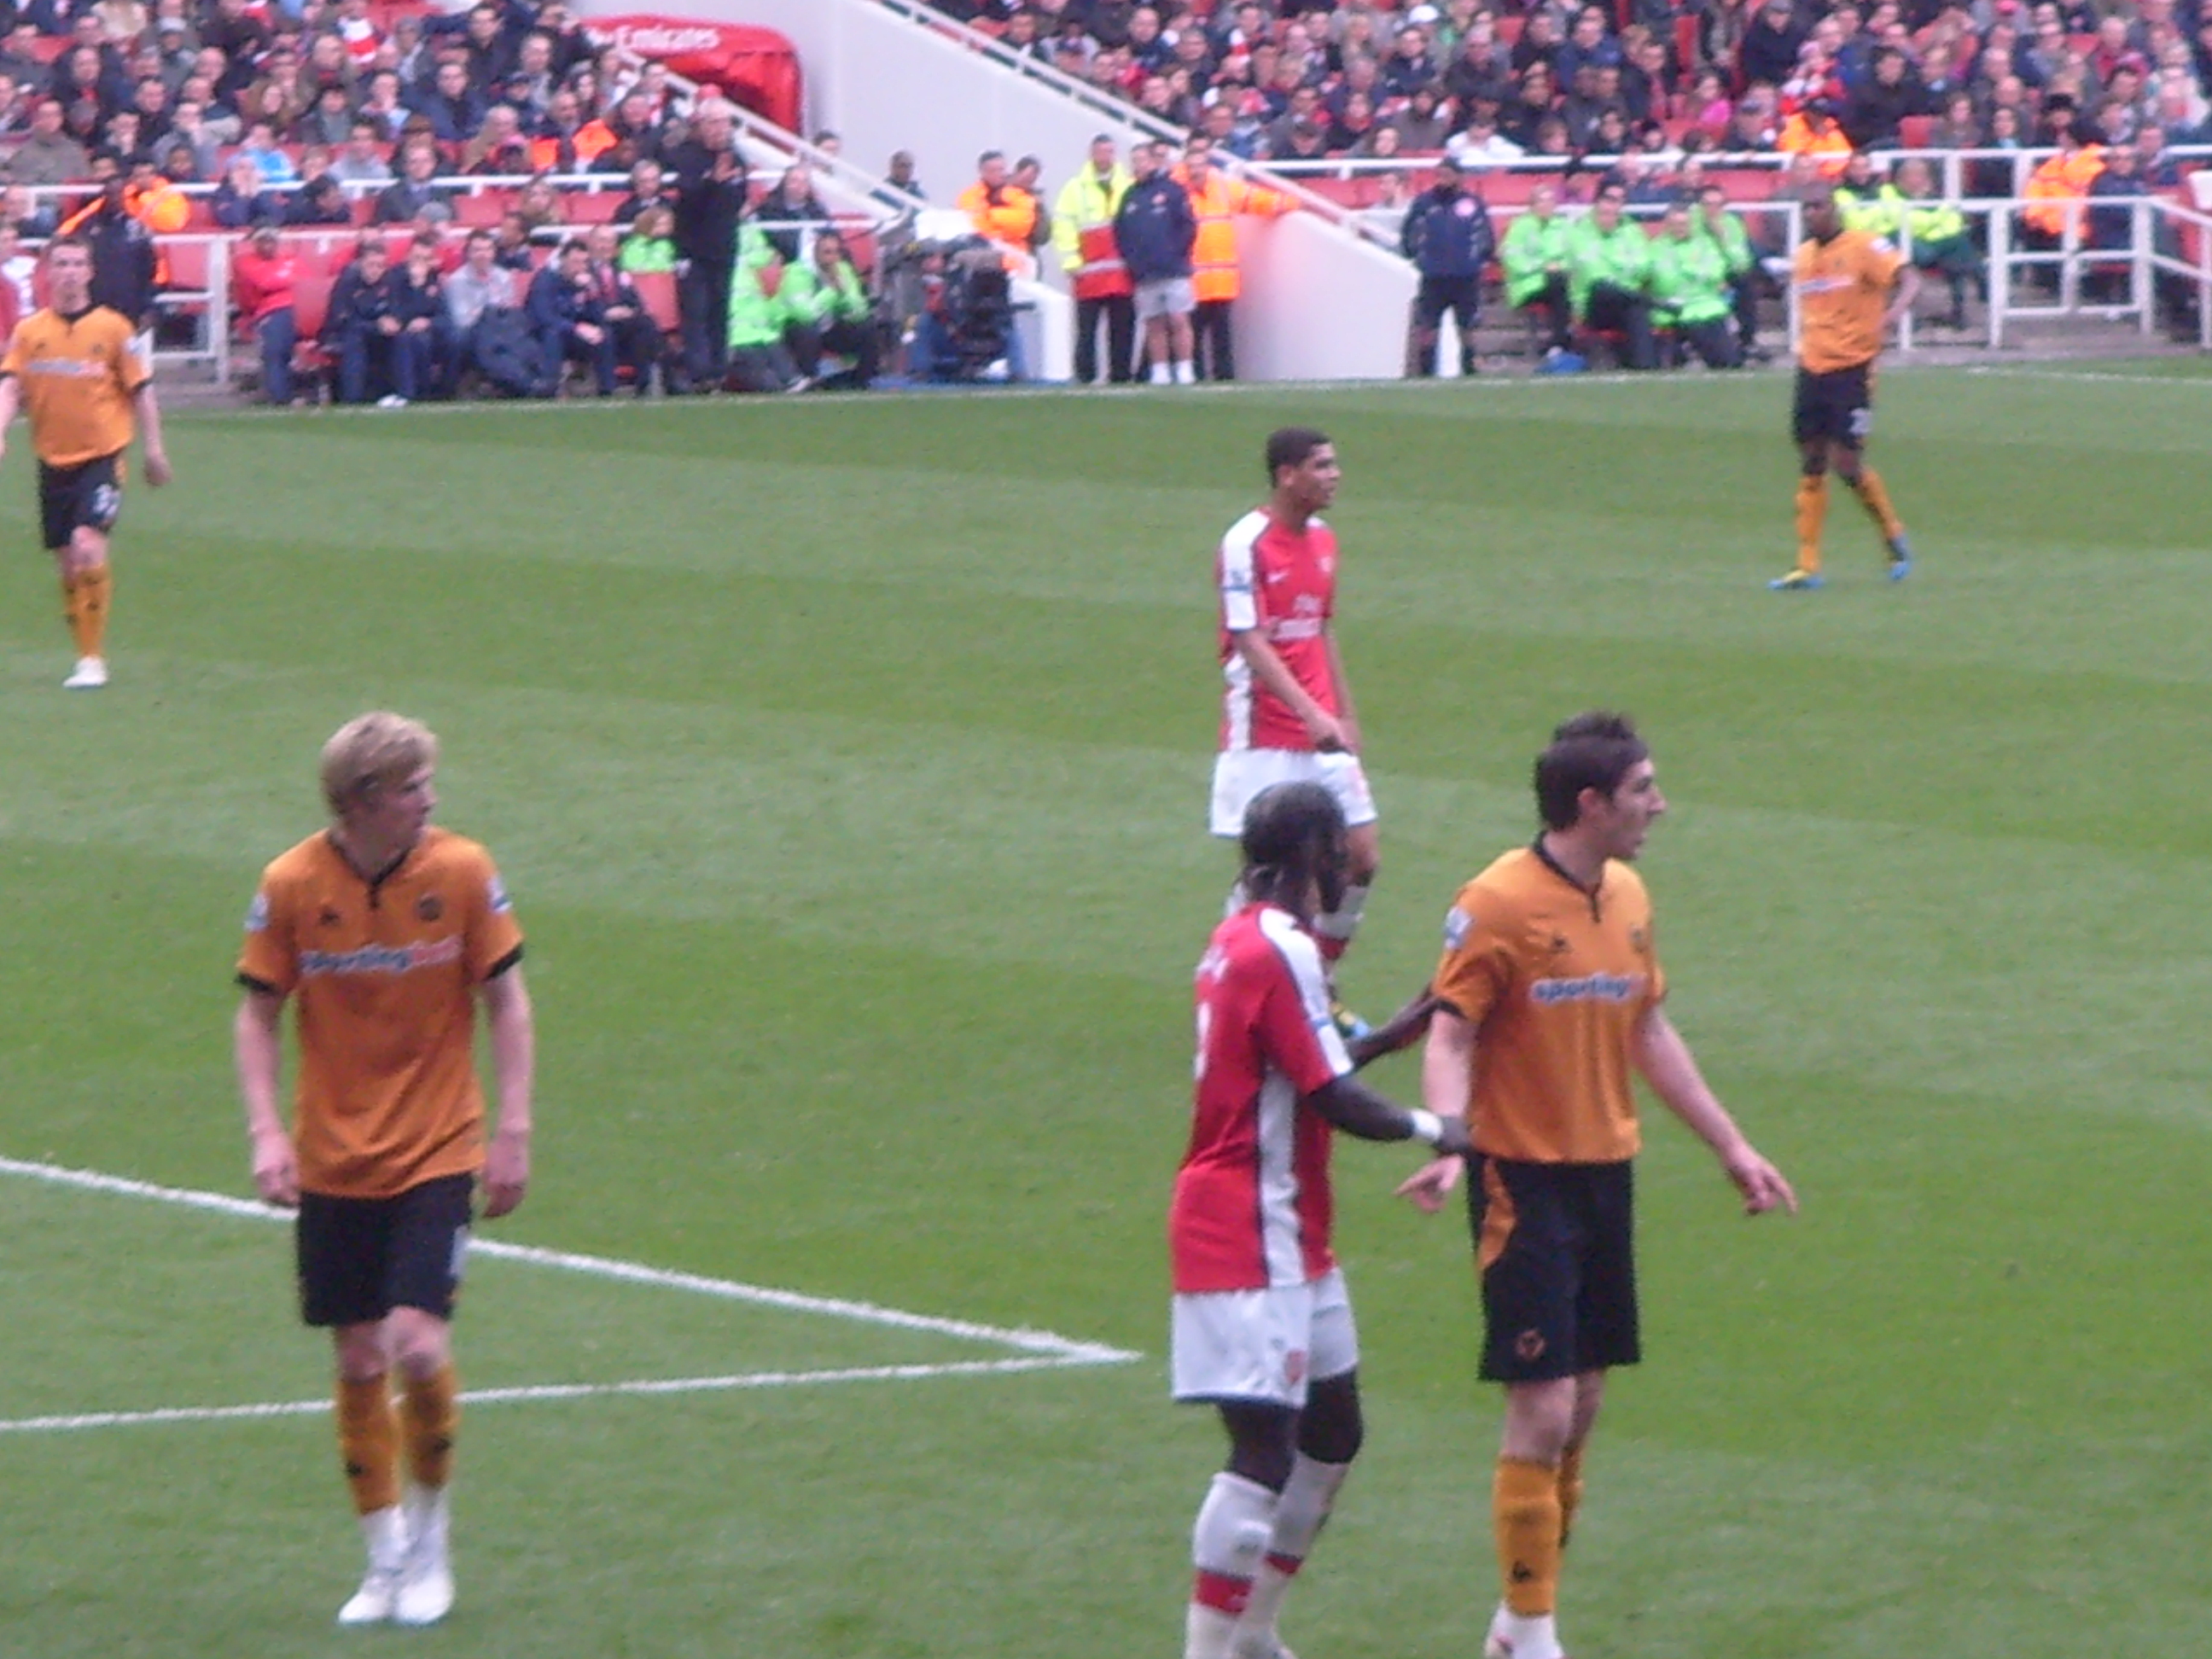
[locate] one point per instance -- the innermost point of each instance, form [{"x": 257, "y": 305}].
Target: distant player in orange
[
  {"x": 385, "y": 933},
  {"x": 1852, "y": 287},
  {"x": 76, "y": 368},
  {"x": 1549, "y": 995}
]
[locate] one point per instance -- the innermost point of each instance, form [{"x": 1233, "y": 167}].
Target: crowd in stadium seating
[{"x": 1300, "y": 80}]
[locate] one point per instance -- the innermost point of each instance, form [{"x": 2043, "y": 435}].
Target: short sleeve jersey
[
  {"x": 1252, "y": 1204},
  {"x": 1280, "y": 584},
  {"x": 384, "y": 975},
  {"x": 79, "y": 374},
  {"x": 1554, "y": 979},
  {"x": 1843, "y": 290}
]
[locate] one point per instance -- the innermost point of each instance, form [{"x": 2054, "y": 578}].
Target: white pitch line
[
  {"x": 2095, "y": 376},
  {"x": 1045, "y": 1343},
  {"x": 538, "y": 1393}
]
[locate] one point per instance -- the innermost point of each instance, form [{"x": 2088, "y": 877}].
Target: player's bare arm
[
  {"x": 1267, "y": 667},
  {"x": 1349, "y": 720},
  {"x": 1447, "y": 1079},
  {"x": 1667, "y": 1065},
  {"x": 514, "y": 1060},
  {"x": 1356, "y": 1109},
  {"x": 257, "y": 1043},
  {"x": 11, "y": 400},
  {"x": 149, "y": 426},
  {"x": 1908, "y": 290},
  {"x": 1401, "y": 1030}
]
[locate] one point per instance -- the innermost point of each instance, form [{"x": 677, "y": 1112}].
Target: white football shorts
[
  {"x": 1261, "y": 1344},
  {"x": 1241, "y": 773}
]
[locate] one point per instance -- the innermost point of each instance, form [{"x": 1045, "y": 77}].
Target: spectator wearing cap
[
  {"x": 1082, "y": 234},
  {"x": 1814, "y": 132},
  {"x": 1447, "y": 236},
  {"x": 320, "y": 201},
  {"x": 1217, "y": 200},
  {"x": 1770, "y": 48}
]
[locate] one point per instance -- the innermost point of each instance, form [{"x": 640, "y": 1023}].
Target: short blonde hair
[{"x": 372, "y": 753}]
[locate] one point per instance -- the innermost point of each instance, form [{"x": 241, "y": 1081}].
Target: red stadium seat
[
  {"x": 484, "y": 209},
  {"x": 1915, "y": 131}
]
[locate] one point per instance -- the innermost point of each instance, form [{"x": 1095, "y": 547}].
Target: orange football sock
[
  {"x": 1875, "y": 499},
  {"x": 368, "y": 1441},
  {"x": 1812, "y": 513},
  {"x": 430, "y": 1414},
  {"x": 1524, "y": 1505},
  {"x": 1570, "y": 1490}
]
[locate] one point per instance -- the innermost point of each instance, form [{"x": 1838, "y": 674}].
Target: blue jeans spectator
[{"x": 279, "y": 333}]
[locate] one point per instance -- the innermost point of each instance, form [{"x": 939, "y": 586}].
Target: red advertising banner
[{"x": 755, "y": 67}]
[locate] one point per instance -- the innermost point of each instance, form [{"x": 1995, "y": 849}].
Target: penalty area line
[
  {"x": 1045, "y": 1344},
  {"x": 538, "y": 1394}
]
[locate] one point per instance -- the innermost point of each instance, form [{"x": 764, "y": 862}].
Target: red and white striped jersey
[
  {"x": 1281, "y": 584},
  {"x": 1252, "y": 1203}
]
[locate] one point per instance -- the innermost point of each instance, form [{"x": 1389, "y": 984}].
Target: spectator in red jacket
[{"x": 262, "y": 276}]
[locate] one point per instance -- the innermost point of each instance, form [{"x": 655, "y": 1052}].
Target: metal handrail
[{"x": 1124, "y": 113}]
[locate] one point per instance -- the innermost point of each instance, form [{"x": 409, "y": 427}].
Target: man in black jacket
[
  {"x": 1447, "y": 235},
  {"x": 710, "y": 199},
  {"x": 1156, "y": 228},
  {"x": 125, "y": 264}
]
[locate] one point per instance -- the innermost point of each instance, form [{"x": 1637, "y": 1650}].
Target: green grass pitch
[{"x": 847, "y": 761}]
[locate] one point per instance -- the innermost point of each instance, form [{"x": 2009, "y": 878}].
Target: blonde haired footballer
[
  {"x": 76, "y": 368},
  {"x": 385, "y": 934}
]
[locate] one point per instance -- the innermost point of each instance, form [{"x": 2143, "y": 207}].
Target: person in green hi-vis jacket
[
  {"x": 1535, "y": 255},
  {"x": 1690, "y": 290},
  {"x": 1608, "y": 276}
]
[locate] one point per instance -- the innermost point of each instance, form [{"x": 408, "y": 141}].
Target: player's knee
[
  {"x": 1813, "y": 466},
  {"x": 1263, "y": 1443},
  {"x": 361, "y": 1353},
  {"x": 88, "y": 549},
  {"x": 1331, "y": 1428},
  {"x": 418, "y": 1341}
]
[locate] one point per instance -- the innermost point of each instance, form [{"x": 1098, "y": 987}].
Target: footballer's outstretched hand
[
  {"x": 1762, "y": 1185},
  {"x": 1401, "y": 1030},
  {"x": 1428, "y": 1186}
]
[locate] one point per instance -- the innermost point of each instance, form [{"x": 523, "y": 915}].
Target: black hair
[
  {"x": 1287, "y": 828},
  {"x": 1291, "y": 445},
  {"x": 1595, "y": 750}
]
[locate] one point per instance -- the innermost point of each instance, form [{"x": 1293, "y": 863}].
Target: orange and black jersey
[
  {"x": 383, "y": 973},
  {"x": 1555, "y": 979},
  {"x": 79, "y": 375},
  {"x": 1843, "y": 293}
]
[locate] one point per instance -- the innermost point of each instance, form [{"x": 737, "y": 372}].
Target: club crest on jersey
[{"x": 430, "y": 908}]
